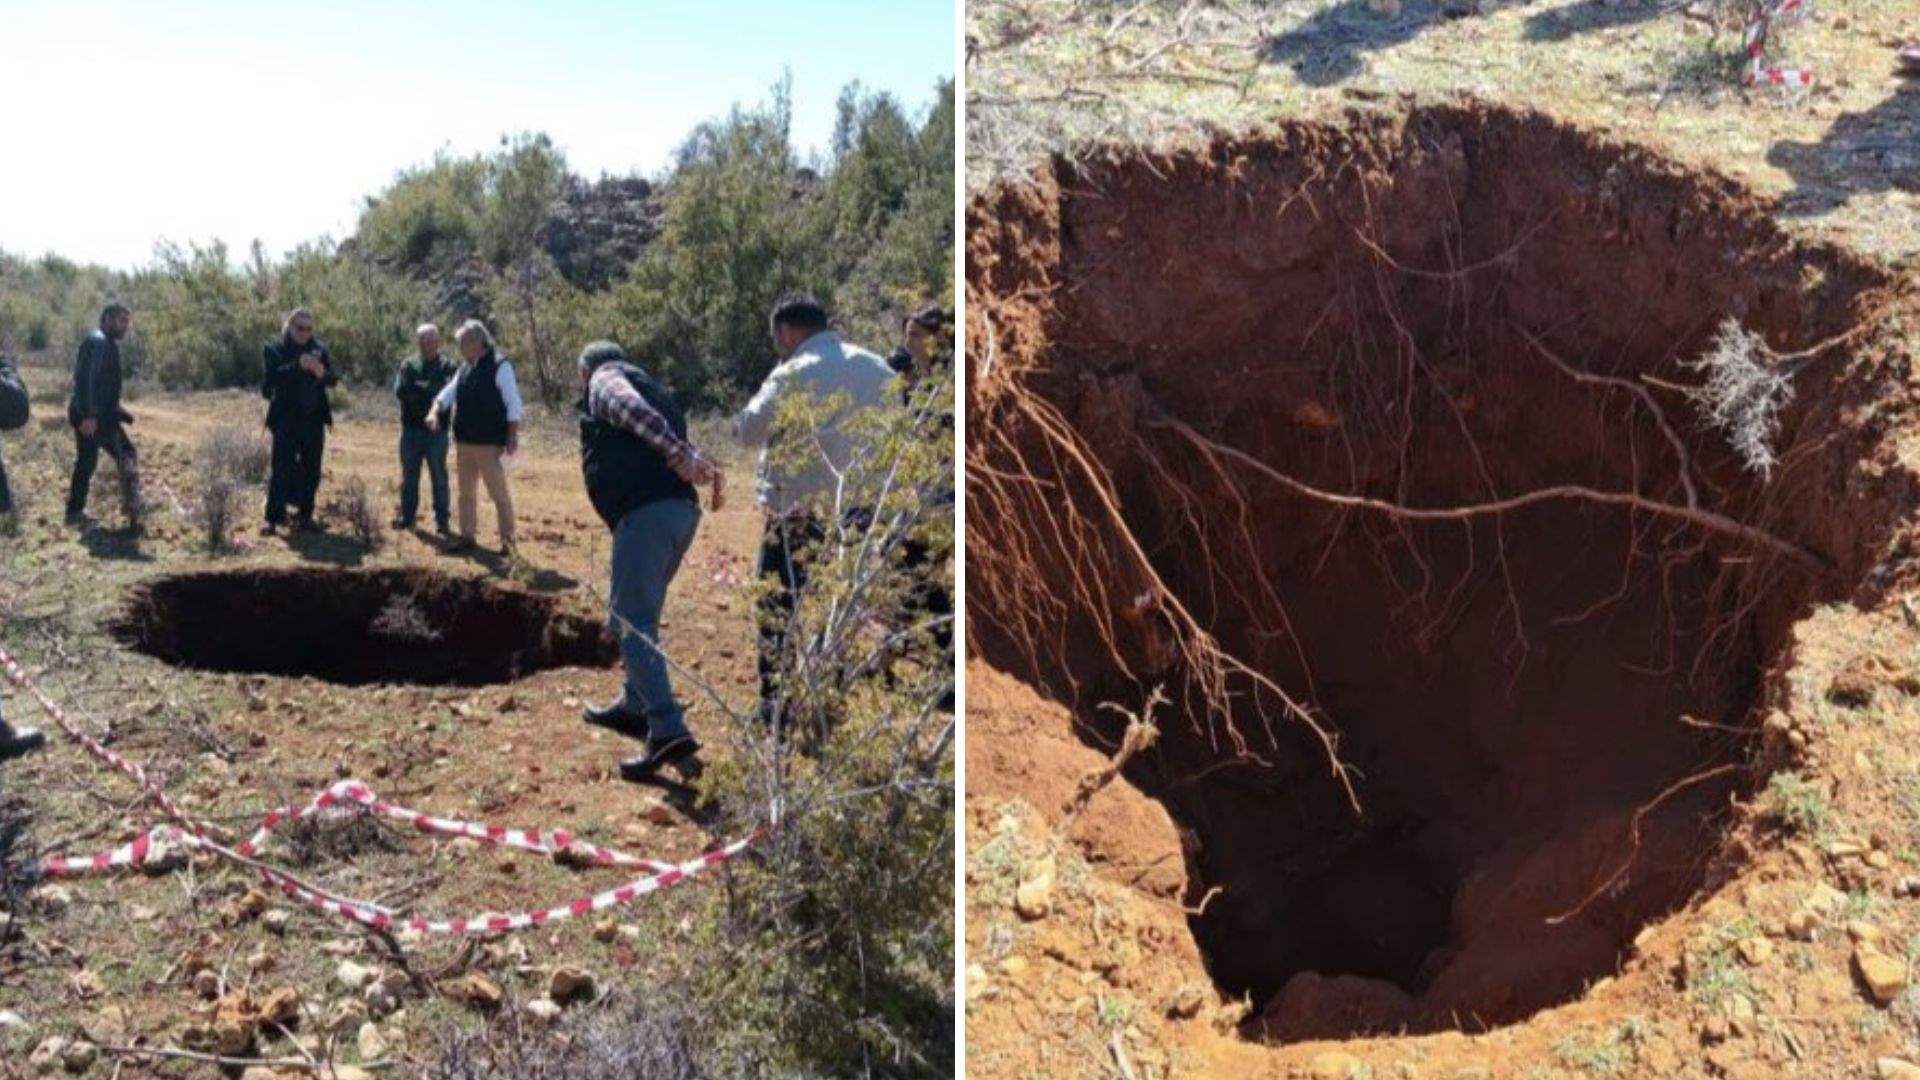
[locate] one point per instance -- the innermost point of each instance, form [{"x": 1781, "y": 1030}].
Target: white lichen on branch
[{"x": 1746, "y": 387}]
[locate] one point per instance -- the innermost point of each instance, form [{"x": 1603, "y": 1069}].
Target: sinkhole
[
  {"x": 1395, "y": 428},
  {"x": 358, "y": 627}
]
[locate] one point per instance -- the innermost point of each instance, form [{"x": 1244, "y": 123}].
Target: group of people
[{"x": 642, "y": 472}]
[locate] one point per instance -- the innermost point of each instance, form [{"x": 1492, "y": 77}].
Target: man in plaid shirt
[{"x": 642, "y": 477}]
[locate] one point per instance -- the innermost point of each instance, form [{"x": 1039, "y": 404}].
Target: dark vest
[
  {"x": 479, "y": 412},
  {"x": 622, "y": 470}
]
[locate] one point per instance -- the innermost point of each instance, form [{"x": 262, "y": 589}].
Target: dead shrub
[{"x": 356, "y": 505}]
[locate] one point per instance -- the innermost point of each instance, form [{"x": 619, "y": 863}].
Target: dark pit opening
[
  {"x": 1543, "y": 712},
  {"x": 357, "y": 627}
]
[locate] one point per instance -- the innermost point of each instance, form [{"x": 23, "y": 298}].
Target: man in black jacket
[
  {"x": 295, "y": 375},
  {"x": 99, "y": 420},
  {"x": 419, "y": 381},
  {"x": 13, "y": 415},
  {"x": 641, "y": 474}
]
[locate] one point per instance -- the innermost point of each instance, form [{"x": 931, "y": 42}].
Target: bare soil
[{"x": 476, "y": 716}]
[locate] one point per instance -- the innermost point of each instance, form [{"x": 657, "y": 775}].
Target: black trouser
[
  {"x": 295, "y": 479},
  {"x": 787, "y": 547},
  {"x": 111, "y": 438}
]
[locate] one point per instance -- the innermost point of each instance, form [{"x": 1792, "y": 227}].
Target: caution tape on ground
[
  {"x": 158, "y": 845},
  {"x": 1759, "y": 25}
]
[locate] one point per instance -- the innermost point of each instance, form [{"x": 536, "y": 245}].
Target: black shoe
[
  {"x": 642, "y": 768},
  {"x": 402, "y": 523},
  {"x": 616, "y": 718},
  {"x": 19, "y": 742},
  {"x": 441, "y": 528}
]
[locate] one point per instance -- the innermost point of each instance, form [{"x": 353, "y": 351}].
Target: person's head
[
  {"x": 598, "y": 353},
  {"x": 299, "y": 326},
  {"x": 116, "y": 319},
  {"x": 427, "y": 337},
  {"x": 923, "y": 329},
  {"x": 474, "y": 339},
  {"x": 797, "y": 316}
]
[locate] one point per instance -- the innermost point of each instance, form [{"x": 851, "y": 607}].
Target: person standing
[
  {"x": 641, "y": 474},
  {"x": 797, "y": 488},
  {"x": 420, "y": 380},
  {"x": 487, "y": 411},
  {"x": 14, "y": 409},
  {"x": 296, "y": 373},
  {"x": 99, "y": 420}
]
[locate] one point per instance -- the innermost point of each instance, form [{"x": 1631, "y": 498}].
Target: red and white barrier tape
[
  {"x": 1759, "y": 72},
  {"x": 152, "y": 845}
]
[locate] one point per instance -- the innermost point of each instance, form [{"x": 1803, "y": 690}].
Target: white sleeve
[
  {"x": 444, "y": 399},
  {"x": 509, "y": 390}
]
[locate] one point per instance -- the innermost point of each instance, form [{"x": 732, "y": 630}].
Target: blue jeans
[
  {"x": 648, "y": 545},
  {"x": 418, "y": 445}
]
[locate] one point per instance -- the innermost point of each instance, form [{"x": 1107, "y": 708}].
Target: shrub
[{"x": 355, "y": 504}]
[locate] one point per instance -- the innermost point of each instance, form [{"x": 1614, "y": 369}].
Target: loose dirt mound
[
  {"x": 1384, "y": 445},
  {"x": 358, "y": 627}
]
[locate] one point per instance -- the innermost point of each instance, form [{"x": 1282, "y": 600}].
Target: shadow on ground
[
  {"x": 1562, "y": 24},
  {"x": 1863, "y": 153},
  {"x": 1329, "y": 46},
  {"x": 121, "y": 544}
]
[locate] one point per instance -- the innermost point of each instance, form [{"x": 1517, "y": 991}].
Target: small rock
[
  {"x": 1879, "y": 860},
  {"x": 1907, "y": 886},
  {"x": 46, "y": 1057},
  {"x": 79, "y": 1056},
  {"x": 1033, "y": 897},
  {"x": 373, "y": 1045},
  {"x": 1716, "y": 1029},
  {"x": 87, "y": 984},
  {"x": 1335, "y": 1065},
  {"x": 570, "y": 984},
  {"x": 606, "y": 929},
  {"x": 275, "y": 921},
  {"x": 13, "y": 1021},
  {"x": 281, "y": 1006},
  {"x": 1889, "y": 1068},
  {"x": 658, "y": 813},
  {"x": 1014, "y": 966},
  {"x": 1187, "y": 1002},
  {"x": 353, "y": 976},
  {"x": 1755, "y": 950},
  {"x": 1741, "y": 1014},
  {"x": 543, "y": 1009},
  {"x": 251, "y": 905},
  {"x": 1801, "y": 924},
  {"x": 1864, "y": 932},
  {"x": 1885, "y": 977},
  {"x": 475, "y": 990},
  {"x": 206, "y": 983},
  {"x": 56, "y": 897}
]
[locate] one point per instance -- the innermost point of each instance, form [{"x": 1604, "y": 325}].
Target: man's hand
[
  {"x": 433, "y": 419},
  {"x": 89, "y": 427},
  {"x": 513, "y": 446},
  {"x": 311, "y": 364}
]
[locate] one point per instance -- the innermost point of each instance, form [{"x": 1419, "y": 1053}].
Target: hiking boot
[
  {"x": 616, "y": 718},
  {"x": 642, "y": 768},
  {"x": 19, "y": 742}
]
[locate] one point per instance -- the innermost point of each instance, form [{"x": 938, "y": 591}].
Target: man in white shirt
[
  {"x": 800, "y": 492},
  {"x": 487, "y": 411}
]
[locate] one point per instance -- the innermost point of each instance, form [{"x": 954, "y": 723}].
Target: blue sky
[{"x": 126, "y": 123}]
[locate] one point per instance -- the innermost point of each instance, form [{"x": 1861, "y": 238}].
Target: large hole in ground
[
  {"x": 358, "y": 626},
  {"x": 1541, "y": 712}
]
